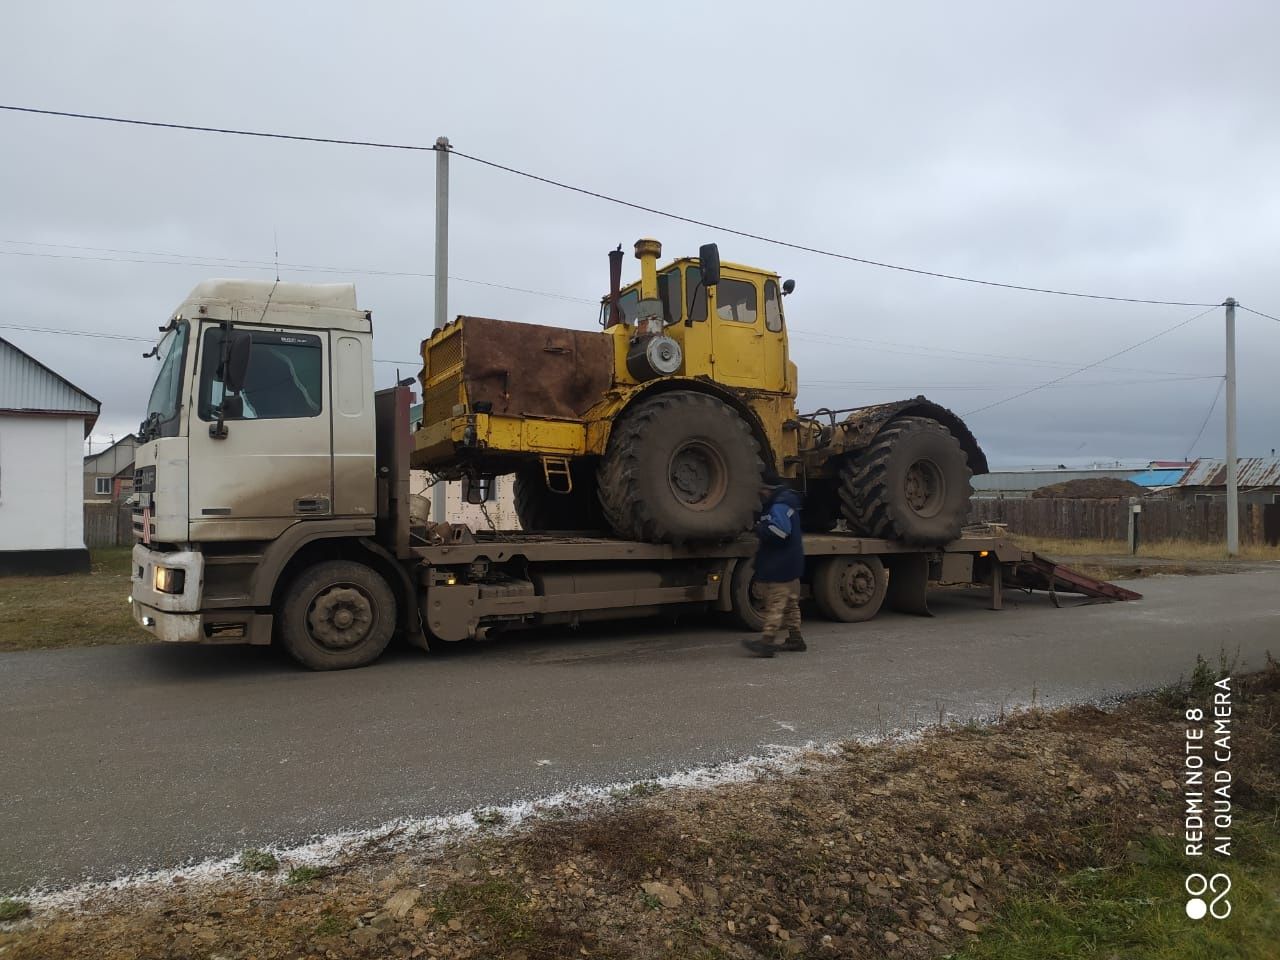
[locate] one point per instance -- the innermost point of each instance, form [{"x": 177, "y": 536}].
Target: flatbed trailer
[
  {"x": 478, "y": 583},
  {"x": 471, "y": 584}
]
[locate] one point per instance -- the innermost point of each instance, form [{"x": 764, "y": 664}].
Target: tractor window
[
  {"x": 696, "y": 294},
  {"x": 669, "y": 290},
  {"x": 772, "y": 307},
  {"x": 629, "y": 306},
  {"x": 736, "y": 301}
]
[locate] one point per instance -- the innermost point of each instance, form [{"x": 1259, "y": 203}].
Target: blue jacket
[{"x": 781, "y": 554}]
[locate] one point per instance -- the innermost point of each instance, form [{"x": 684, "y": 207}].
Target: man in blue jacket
[{"x": 779, "y": 564}]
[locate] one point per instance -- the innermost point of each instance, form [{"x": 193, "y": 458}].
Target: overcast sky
[{"x": 1127, "y": 149}]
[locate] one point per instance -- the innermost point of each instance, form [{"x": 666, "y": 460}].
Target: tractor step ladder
[{"x": 557, "y": 468}]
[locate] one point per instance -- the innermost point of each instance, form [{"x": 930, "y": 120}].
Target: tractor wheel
[
  {"x": 681, "y": 467},
  {"x": 911, "y": 484},
  {"x": 849, "y": 589},
  {"x": 337, "y": 614},
  {"x": 539, "y": 508}
]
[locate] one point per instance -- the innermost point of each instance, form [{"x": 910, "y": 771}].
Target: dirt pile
[
  {"x": 880, "y": 850},
  {"x": 1100, "y": 488}
]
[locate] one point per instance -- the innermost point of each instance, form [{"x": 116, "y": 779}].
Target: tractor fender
[{"x": 861, "y": 425}]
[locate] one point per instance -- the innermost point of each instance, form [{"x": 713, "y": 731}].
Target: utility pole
[
  {"x": 442, "y": 282},
  {"x": 1233, "y": 501}
]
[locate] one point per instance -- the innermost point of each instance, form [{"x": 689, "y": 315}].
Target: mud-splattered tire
[
  {"x": 911, "y": 484},
  {"x": 681, "y": 467},
  {"x": 849, "y": 589},
  {"x": 337, "y": 614},
  {"x": 541, "y": 509}
]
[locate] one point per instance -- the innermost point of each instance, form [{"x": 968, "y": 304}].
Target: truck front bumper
[{"x": 178, "y": 617}]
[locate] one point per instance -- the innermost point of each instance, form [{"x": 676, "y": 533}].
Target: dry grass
[
  {"x": 1163, "y": 550},
  {"x": 69, "y": 611}
]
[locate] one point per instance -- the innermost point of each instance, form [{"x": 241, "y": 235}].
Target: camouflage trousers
[{"x": 781, "y": 610}]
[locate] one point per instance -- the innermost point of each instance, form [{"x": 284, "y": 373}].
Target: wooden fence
[
  {"x": 1204, "y": 522},
  {"x": 107, "y": 525}
]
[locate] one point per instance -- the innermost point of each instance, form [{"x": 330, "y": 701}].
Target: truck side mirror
[
  {"x": 709, "y": 258},
  {"x": 788, "y": 287},
  {"x": 239, "y": 349}
]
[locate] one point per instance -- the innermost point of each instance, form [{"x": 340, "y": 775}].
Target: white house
[{"x": 43, "y": 422}]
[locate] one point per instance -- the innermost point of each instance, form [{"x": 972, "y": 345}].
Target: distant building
[
  {"x": 1258, "y": 480},
  {"x": 1018, "y": 484},
  {"x": 108, "y": 474},
  {"x": 44, "y": 419}
]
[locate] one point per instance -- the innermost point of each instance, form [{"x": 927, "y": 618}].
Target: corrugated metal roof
[
  {"x": 1158, "y": 478},
  {"x": 26, "y": 384},
  {"x": 1251, "y": 472}
]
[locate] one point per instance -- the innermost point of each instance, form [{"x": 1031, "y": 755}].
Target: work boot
[
  {"x": 794, "y": 642},
  {"x": 759, "y": 647}
]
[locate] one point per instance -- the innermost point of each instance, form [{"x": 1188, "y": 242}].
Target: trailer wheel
[
  {"x": 849, "y": 589},
  {"x": 746, "y": 596},
  {"x": 911, "y": 484},
  {"x": 337, "y": 614},
  {"x": 681, "y": 467},
  {"x": 539, "y": 508}
]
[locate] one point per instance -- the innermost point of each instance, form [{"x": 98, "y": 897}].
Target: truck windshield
[{"x": 166, "y": 394}]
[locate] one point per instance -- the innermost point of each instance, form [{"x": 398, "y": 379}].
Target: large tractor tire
[
  {"x": 539, "y": 508},
  {"x": 337, "y": 614},
  {"x": 911, "y": 484},
  {"x": 681, "y": 467}
]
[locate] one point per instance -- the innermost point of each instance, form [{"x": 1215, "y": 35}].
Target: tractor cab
[{"x": 703, "y": 318}]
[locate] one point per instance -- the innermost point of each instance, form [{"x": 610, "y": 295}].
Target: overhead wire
[
  {"x": 645, "y": 208},
  {"x": 1258, "y": 313},
  {"x": 105, "y": 335},
  {"x": 1222, "y": 382},
  {"x": 197, "y": 260},
  {"x": 1096, "y": 363}
]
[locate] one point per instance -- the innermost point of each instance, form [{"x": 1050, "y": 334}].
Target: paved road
[{"x": 118, "y": 758}]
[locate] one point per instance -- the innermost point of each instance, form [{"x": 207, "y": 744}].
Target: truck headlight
[{"x": 170, "y": 580}]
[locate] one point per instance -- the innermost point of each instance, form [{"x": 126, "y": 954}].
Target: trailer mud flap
[{"x": 908, "y": 584}]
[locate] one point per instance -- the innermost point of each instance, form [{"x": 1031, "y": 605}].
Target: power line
[
  {"x": 1258, "y": 313},
  {"x": 1222, "y": 382},
  {"x": 27, "y": 328},
  {"x": 947, "y": 353},
  {"x": 196, "y": 260},
  {"x": 980, "y": 386},
  {"x": 1096, "y": 363},
  {"x": 609, "y": 199}
]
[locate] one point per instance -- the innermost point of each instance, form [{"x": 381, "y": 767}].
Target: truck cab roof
[{"x": 330, "y": 305}]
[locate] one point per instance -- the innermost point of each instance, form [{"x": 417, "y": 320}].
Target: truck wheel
[
  {"x": 746, "y": 596},
  {"x": 541, "y": 509},
  {"x": 337, "y": 614},
  {"x": 681, "y": 467},
  {"x": 849, "y": 589},
  {"x": 911, "y": 484}
]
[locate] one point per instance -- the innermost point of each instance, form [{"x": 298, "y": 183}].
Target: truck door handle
[{"x": 311, "y": 505}]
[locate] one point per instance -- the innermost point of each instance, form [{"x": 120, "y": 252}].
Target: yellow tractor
[{"x": 662, "y": 427}]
